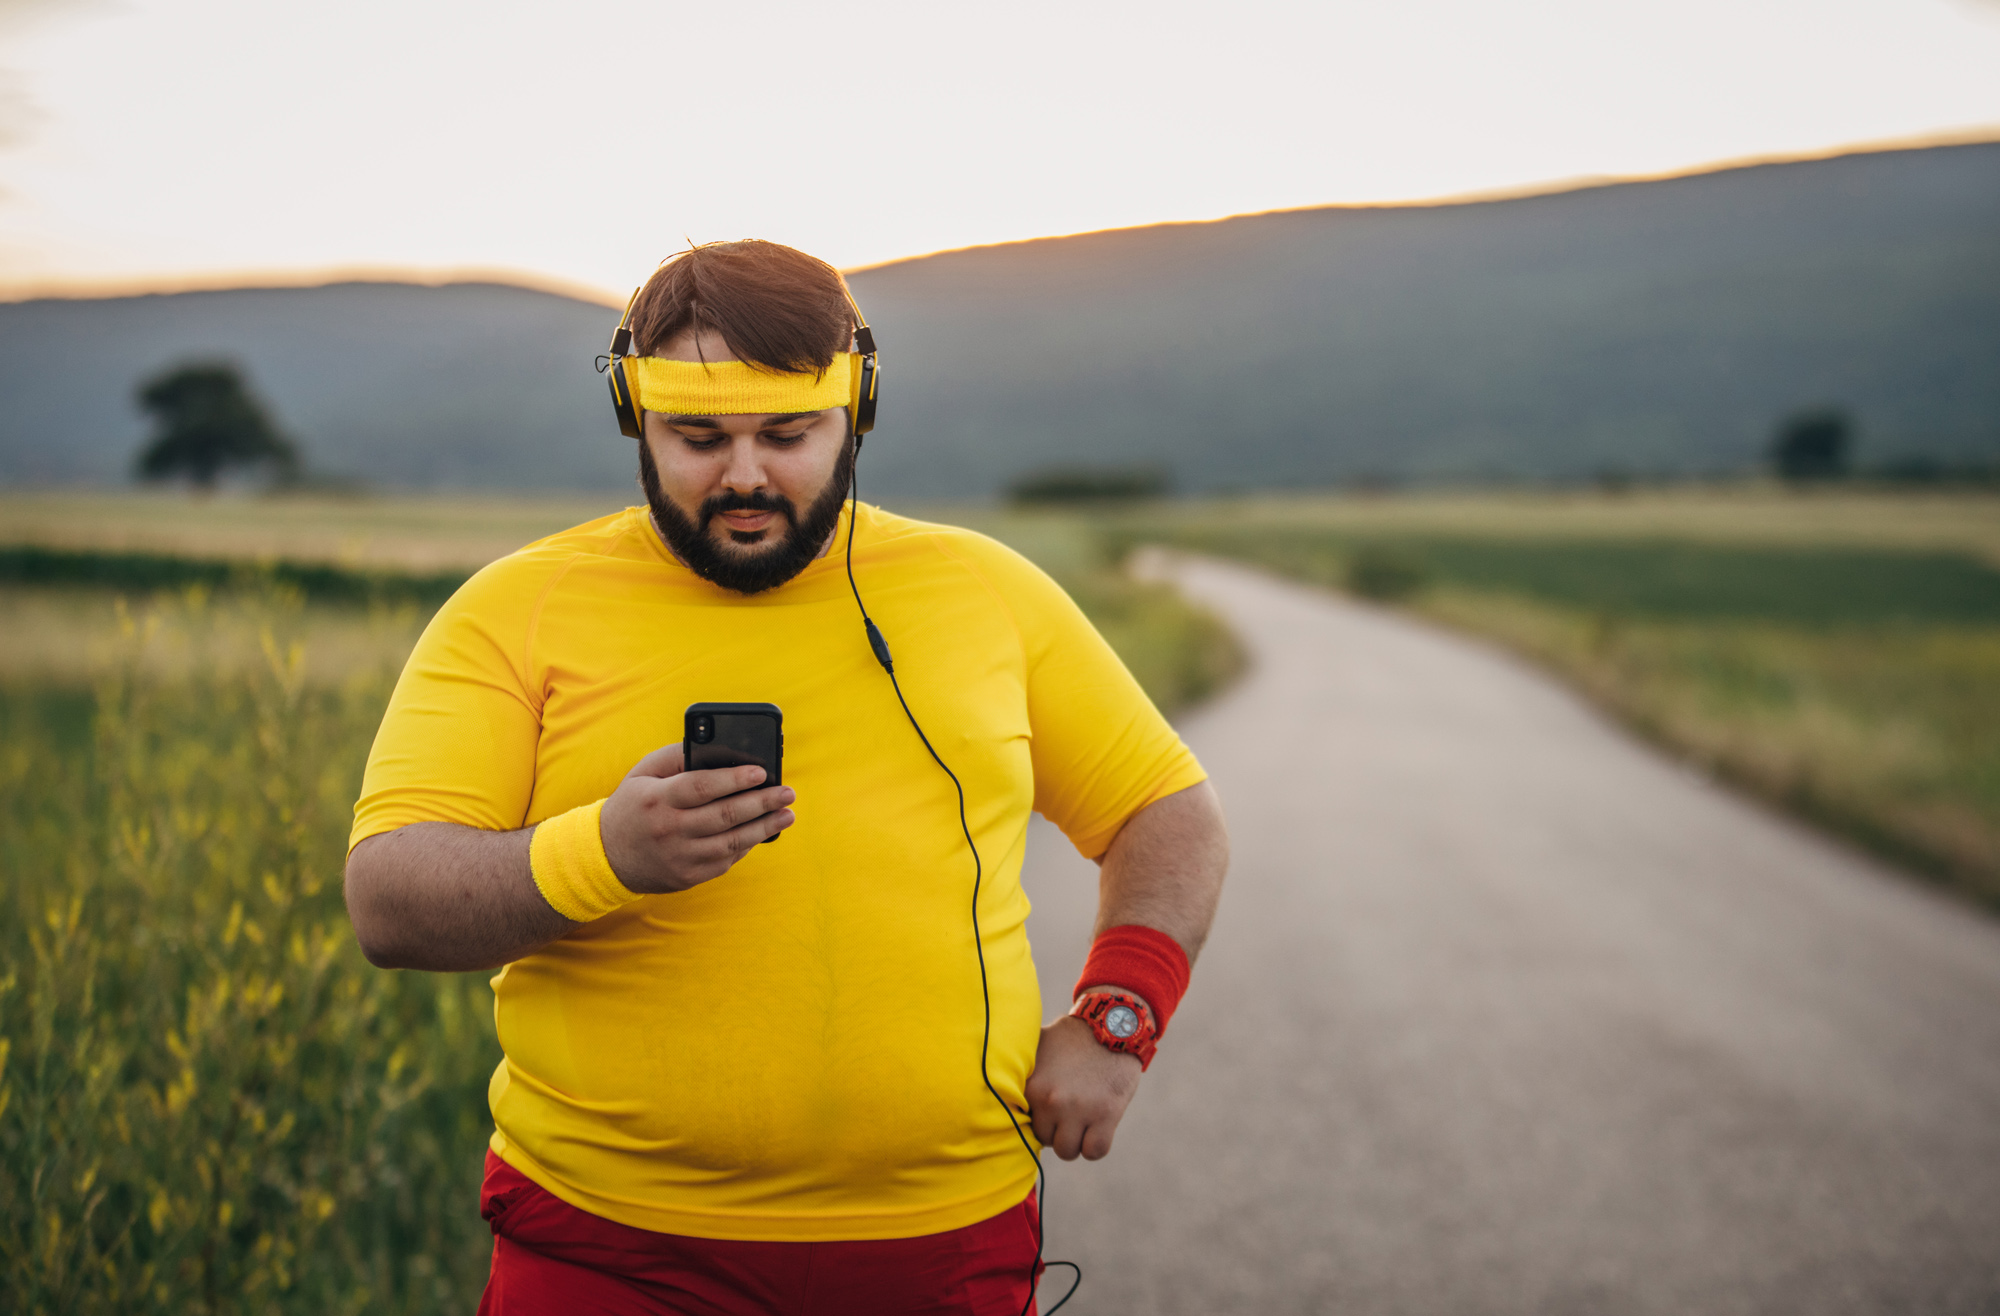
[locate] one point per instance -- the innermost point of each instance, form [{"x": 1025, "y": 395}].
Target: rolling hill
[
  {"x": 468, "y": 385},
  {"x": 1648, "y": 327}
]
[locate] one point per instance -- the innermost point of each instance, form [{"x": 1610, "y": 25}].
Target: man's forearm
[
  {"x": 1163, "y": 871},
  {"x": 445, "y": 897},
  {"x": 438, "y": 895},
  {"x": 1165, "y": 867}
]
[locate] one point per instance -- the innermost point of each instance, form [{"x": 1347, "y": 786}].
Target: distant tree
[
  {"x": 1386, "y": 574},
  {"x": 1813, "y": 445},
  {"x": 205, "y": 420},
  {"x": 1090, "y": 484}
]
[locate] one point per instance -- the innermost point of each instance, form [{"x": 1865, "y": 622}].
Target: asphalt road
[{"x": 1505, "y": 1012}]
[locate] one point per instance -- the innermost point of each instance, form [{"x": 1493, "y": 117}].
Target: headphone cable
[{"x": 881, "y": 649}]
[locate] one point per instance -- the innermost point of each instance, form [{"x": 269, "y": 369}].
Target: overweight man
[{"x": 809, "y": 1076}]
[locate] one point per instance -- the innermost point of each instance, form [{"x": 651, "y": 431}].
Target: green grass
[
  {"x": 406, "y": 532},
  {"x": 136, "y": 571},
  {"x": 1830, "y": 587},
  {"x": 208, "y": 1101},
  {"x": 1747, "y": 514}
]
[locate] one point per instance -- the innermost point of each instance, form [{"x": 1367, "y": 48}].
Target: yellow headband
[{"x": 730, "y": 388}]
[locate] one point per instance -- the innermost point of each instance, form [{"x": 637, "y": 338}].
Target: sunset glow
[{"x": 149, "y": 143}]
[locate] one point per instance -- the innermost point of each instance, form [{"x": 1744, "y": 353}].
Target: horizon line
[
  {"x": 1986, "y": 135},
  {"x": 110, "y": 287}
]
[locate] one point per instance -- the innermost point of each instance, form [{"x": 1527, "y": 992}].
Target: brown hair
[{"x": 776, "y": 307}]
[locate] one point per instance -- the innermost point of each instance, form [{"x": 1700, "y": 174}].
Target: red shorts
[{"x": 551, "y": 1257}]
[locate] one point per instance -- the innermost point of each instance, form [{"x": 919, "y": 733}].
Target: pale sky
[{"x": 176, "y": 142}]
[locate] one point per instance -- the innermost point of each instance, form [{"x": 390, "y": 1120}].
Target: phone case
[{"x": 736, "y": 735}]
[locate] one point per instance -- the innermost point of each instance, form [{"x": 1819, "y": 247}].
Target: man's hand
[
  {"x": 665, "y": 829},
  {"x": 1163, "y": 871},
  {"x": 442, "y": 896},
  {"x": 1079, "y": 1090}
]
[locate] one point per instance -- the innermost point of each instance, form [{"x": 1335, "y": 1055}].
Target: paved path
[{"x": 1506, "y": 1013}]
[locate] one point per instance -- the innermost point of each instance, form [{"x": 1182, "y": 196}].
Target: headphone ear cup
[
  {"x": 865, "y": 395},
  {"x": 624, "y": 402}
]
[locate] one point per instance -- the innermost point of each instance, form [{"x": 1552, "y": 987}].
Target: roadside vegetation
[
  {"x": 208, "y": 1101},
  {"x": 1835, "y": 652}
]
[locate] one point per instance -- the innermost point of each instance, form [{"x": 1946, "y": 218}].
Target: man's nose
[{"x": 744, "y": 473}]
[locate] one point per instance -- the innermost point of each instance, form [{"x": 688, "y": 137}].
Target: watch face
[{"x": 1121, "y": 1021}]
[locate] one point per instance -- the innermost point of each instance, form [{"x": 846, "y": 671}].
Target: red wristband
[{"x": 1144, "y": 961}]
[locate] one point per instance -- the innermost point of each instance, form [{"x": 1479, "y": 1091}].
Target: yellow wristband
[{"x": 566, "y": 859}]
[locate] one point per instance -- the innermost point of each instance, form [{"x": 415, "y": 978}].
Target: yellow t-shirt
[{"x": 790, "y": 1051}]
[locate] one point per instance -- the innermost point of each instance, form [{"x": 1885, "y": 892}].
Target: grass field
[
  {"x": 409, "y": 533},
  {"x": 1835, "y": 652},
  {"x": 1733, "y": 514},
  {"x": 208, "y": 1101}
]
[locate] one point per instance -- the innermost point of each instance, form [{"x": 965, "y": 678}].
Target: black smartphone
[{"x": 735, "y": 736}]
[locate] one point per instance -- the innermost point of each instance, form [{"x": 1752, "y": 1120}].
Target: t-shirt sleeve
[
  {"x": 457, "y": 743},
  {"x": 1101, "y": 750}
]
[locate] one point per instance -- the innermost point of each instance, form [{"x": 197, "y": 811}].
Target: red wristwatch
[{"x": 1120, "y": 1021}]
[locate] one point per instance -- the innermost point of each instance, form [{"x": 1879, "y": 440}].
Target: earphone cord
[{"x": 881, "y": 648}]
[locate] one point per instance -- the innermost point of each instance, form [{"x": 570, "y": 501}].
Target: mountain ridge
[{"x": 1486, "y": 196}]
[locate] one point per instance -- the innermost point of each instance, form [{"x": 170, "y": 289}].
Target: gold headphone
[{"x": 860, "y": 406}]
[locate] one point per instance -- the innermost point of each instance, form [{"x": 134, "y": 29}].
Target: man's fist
[
  {"x": 1079, "y": 1090},
  {"x": 667, "y": 830}
]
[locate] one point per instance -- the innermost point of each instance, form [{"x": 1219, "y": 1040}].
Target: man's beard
[{"x": 771, "y": 565}]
